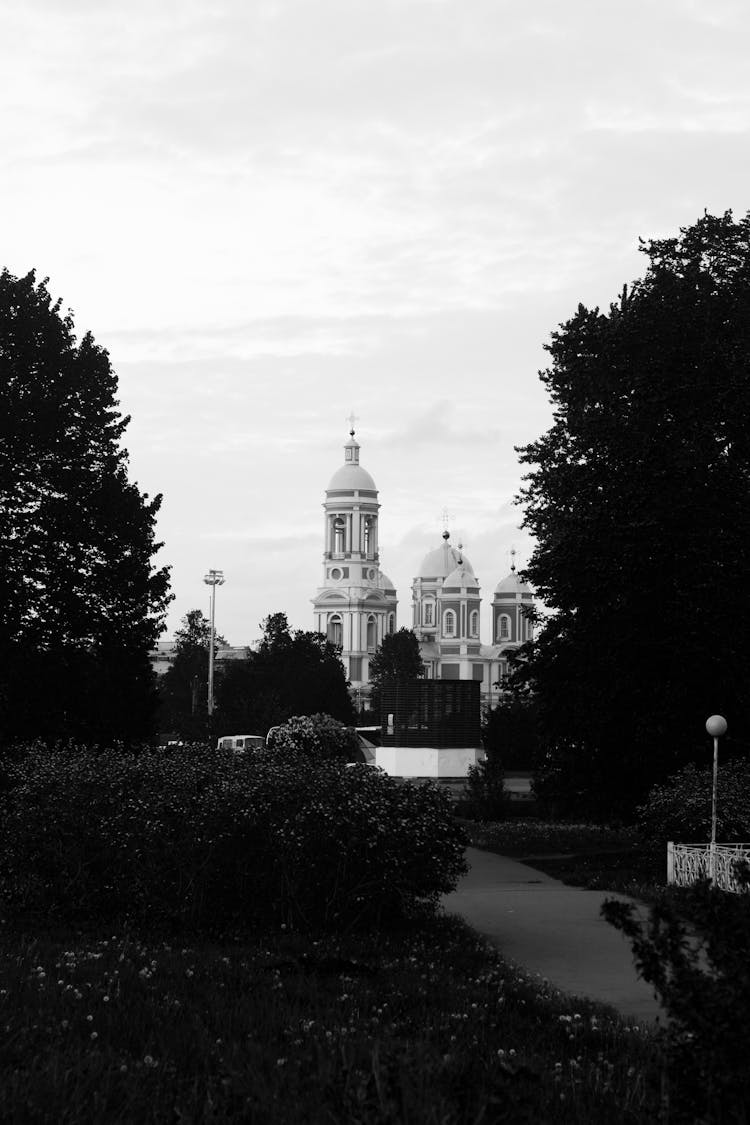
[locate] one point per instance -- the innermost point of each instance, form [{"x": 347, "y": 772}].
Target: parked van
[{"x": 241, "y": 742}]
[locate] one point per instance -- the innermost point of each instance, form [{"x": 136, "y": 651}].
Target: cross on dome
[{"x": 351, "y": 420}]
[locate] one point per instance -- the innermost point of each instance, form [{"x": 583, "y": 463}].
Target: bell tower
[{"x": 356, "y": 605}]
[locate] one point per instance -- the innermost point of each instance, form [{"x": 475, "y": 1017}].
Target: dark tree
[
  {"x": 183, "y": 689},
  {"x": 510, "y": 733},
  {"x": 81, "y": 603},
  {"x": 397, "y": 658},
  {"x": 639, "y": 498},
  {"x": 296, "y": 673}
]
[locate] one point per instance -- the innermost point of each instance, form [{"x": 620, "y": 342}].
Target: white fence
[{"x": 687, "y": 863}]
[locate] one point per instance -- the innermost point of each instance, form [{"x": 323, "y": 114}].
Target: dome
[
  {"x": 514, "y": 586},
  {"x": 461, "y": 576},
  {"x": 443, "y": 561},
  {"x": 351, "y": 477},
  {"x": 386, "y": 582}
]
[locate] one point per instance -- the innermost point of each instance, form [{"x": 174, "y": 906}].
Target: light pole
[
  {"x": 716, "y": 726},
  {"x": 213, "y": 579}
]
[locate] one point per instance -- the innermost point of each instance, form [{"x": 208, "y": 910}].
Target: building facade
[{"x": 356, "y": 606}]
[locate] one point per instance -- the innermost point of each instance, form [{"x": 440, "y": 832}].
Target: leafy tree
[
  {"x": 183, "y": 689},
  {"x": 510, "y": 733},
  {"x": 296, "y": 673},
  {"x": 81, "y": 603},
  {"x": 397, "y": 658},
  {"x": 639, "y": 499}
]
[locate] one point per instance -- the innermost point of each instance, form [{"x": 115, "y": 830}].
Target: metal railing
[{"x": 688, "y": 863}]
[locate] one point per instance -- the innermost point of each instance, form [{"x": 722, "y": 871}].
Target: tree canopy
[
  {"x": 81, "y": 603},
  {"x": 397, "y": 657},
  {"x": 639, "y": 499},
  {"x": 183, "y": 689},
  {"x": 292, "y": 673}
]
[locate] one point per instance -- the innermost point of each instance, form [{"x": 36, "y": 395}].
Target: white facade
[{"x": 356, "y": 605}]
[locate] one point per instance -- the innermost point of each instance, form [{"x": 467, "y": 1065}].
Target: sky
[{"x": 274, "y": 213}]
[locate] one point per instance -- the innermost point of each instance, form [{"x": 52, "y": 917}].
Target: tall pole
[
  {"x": 213, "y": 579},
  {"x": 716, "y": 727}
]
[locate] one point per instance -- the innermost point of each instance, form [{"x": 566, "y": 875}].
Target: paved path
[{"x": 554, "y": 930}]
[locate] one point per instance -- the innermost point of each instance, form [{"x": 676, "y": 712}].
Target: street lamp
[
  {"x": 716, "y": 726},
  {"x": 213, "y": 579}
]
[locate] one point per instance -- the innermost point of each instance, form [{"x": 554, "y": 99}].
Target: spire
[{"x": 513, "y": 560}]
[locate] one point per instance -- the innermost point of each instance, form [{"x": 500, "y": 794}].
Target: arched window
[
  {"x": 338, "y": 535},
  {"x": 371, "y": 634},
  {"x": 503, "y": 628},
  {"x": 368, "y": 537},
  {"x": 335, "y": 630},
  {"x": 391, "y": 622},
  {"x": 474, "y": 623},
  {"x": 449, "y": 623},
  {"x": 428, "y": 613}
]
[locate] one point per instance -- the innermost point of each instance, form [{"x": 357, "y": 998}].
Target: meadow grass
[{"x": 423, "y": 1024}]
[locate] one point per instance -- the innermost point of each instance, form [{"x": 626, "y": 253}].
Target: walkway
[{"x": 554, "y": 930}]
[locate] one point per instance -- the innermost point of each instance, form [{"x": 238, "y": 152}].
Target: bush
[
  {"x": 485, "y": 793},
  {"x": 318, "y": 737},
  {"x": 197, "y": 838},
  {"x": 700, "y": 971},
  {"x": 681, "y": 808}
]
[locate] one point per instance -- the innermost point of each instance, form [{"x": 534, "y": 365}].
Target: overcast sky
[{"x": 274, "y": 212}]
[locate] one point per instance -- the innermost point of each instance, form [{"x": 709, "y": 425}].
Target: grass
[{"x": 423, "y": 1025}]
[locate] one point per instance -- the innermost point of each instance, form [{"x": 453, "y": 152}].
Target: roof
[
  {"x": 443, "y": 561},
  {"x": 514, "y": 586}
]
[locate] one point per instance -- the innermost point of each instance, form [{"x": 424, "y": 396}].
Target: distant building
[
  {"x": 356, "y": 606},
  {"x": 163, "y": 655}
]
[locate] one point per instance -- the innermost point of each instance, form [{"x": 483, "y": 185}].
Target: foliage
[
  {"x": 638, "y": 497},
  {"x": 397, "y": 658},
  {"x": 701, "y": 972},
  {"x": 522, "y": 838},
  {"x": 511, "y": 731},
  {"x": 296, "y": 673},
  {"x": 681, "y": 808},
  {"x": 198, "y": 837},
  {"x": 485, "y": 797},
  {"x": 81, "y": 604},
  {"x": 427, "y": 1025},
  {"x": 183, "y": 689},
  {"x": 318, "y": 737}
]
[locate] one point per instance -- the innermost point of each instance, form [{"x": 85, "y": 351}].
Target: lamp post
[
  {"x": 213, "y": 579},
  {"x": 716, "y": 726}
]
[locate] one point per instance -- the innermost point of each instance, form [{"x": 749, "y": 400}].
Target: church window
[
  {"x": 428, "y": 609},
  {"x": 474, "y": 623},
  {"x": 449, "y": 623},
  {"x": 503, "y": 628},
  {"x": 371, "y": 634},
  {"x": 335, "y": 630},
  {"x": 368, "y": 537},
  {"x": 391, "y": 622},
  {"x": 338, "y": 536}
]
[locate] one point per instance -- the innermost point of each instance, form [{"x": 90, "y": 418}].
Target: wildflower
[
  {"x": 94, "y": 1034},
  {"x": 65, "y": 1025},
  {"x": 90, "y": 1019},
  {"x": 105, "y": 999},
  {"x": 150, "y": 1061},
  {"x": 281, "y": 1062}
]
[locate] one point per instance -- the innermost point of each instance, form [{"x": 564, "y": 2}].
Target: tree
[
  {"x": 639, "y": 499},
  {"x": 81, "y": 603},
  {"x": 296, "y": 673},
  {"x": 397, "y": 658},
  {"x": 183, "y": 689}
]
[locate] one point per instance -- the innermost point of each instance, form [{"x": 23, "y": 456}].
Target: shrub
[
  {"x": 700, "y": 971},
  {"x": 681, "y": 808},
  {"x": 318, "y": 737},
  {"x": 196, "y": 837},
  {"x": 485, "y": 797}
]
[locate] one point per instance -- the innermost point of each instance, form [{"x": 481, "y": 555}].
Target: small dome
[
  {"x": 461, "y": 576},
  {"x": 351, "y": 477},
  {"x": 443, "y": 561},
  {"x": 514, "y": 585},
  {"x": 386, "y": 582}
]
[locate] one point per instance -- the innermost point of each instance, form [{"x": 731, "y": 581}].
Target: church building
[{"x": 356, "y": 606}]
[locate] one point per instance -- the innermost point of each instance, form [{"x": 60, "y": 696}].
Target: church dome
[
  {"x": 443, "y": 561},
  {"x": 461, "y": 576},
  {"x": 351, "y": 476},
  {"x": 513, "y": 585},
  {"x": 386, "y": 582}
]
